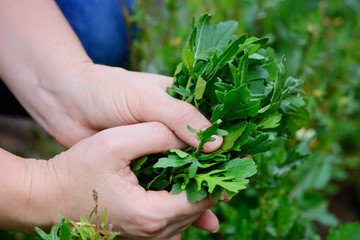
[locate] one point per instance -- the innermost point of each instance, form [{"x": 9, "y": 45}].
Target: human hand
[
  {"x": 69, "y": 95},
  {"x": 102, "y": 97},
  {"x": 101, "y": 162}
]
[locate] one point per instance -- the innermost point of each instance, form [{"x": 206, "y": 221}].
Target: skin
[
  {"x": 44, "y": 65},
  {"x": 35, "y": 188}
]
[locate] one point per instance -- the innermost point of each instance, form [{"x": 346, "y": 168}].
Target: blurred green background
[{"x": 321, "y": 42}]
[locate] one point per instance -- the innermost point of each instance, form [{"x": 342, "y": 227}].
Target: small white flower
[{"x": 305, "y": 134}]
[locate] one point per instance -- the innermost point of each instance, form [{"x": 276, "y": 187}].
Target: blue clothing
[{"x": 102, "y": 28}]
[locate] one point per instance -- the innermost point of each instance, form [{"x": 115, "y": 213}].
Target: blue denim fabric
[{"x": 101, "y": 28}]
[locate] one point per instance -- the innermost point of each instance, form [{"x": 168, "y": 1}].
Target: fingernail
[
  {"x": 214, "y": 144},
  {"x": 216, "y": 230}
]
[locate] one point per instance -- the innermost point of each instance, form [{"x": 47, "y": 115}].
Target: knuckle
[
  {"x": 185, "y": 112},
  {"x": 153, "y": 227},
  {"x": 107, "y": 143},
  {"x": 161, "y": 133}
]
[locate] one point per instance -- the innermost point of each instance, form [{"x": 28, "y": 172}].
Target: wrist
[
  {"x": 30, "y": 194},
  {"x": 43, "y": 198}
]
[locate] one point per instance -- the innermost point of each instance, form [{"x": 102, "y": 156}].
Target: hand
[
  {"x": 69, "y": 95},
  {"x": 102, "y": 162},
  {"x": 106, "y": 97}
]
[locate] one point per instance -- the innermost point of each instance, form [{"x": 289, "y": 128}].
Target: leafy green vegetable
[
  {"x": 83, "y": 230},
  {"x": 249, "y": 99},
  {"x": 349, "y": 231}
]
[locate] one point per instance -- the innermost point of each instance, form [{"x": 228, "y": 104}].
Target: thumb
[
  {"x": 178, "y": 205},
  {"x": 174, "y": 113},
  {"x": 133, "y": 141}
]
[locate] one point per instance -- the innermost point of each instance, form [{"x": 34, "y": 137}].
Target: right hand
[{"x": 101, "y": 162}]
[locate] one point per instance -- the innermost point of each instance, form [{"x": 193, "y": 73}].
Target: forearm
[
  {"x": 26, "y": 199},
  {"x": 39, "y": 54}
]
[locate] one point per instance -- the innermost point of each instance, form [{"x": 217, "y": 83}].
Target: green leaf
[
  {"x": 52, "y": 235},
  {"x": 239, "y": 168},
  {"x": 54, "y": 232},
  {"x": 209, "y": 156},
  {"x": 235, "y": 72},
  {"x": 172, "y": 161},
  {"x": 257, "y": 72},
  {"x": 295, "y": 113},
  {"x": 245, "y": 136},
  {"x": 270, "y": 121},
  {"x": 104, "y": 218},
  {"x": 292, "y": 86},
  {"x": 208, "y": 38},
  {"x": 257, "y": 89},
  {"x": 254, "y": 44},
  {"x": 137, "y": 163},
  {"x": 182, "y": 91},
  {"x": 256, "y": 56},
  {"x": 214, "y": 179},
  {"x": 258, "y": 144},
  {"x": 238, "y": 85},
  {"x": 193, "y": 193},
  {"x": 193, "y": 168},
  {"x": 178, "y": 152},
  {"x": 348, "y": 231},
  {"x": 65, "y": 230},
  {"x": 227, "y": 56},
  {"x": 200, "y": 88},
  {"x": 243, "y": 68},
  {"x": 207, "y": 135},
  {"x": 81, "y": 232},
  {"x": 233, "y": 135},
  {"x": 284, "y": 217},
  {"x": 279, "y": 82},
  {"x": 176, "y": 188},
  {"x": 188, "y": 57},
  {"x": 236, "y": 106}
]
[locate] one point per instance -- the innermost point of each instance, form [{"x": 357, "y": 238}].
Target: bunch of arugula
[{"x": 249, "y": 100}]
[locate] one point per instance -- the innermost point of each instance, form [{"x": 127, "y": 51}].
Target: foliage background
[{"x": 320, "y": 40}]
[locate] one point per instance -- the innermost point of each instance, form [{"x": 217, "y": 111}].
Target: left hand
[{"x": 101, "y": 97}]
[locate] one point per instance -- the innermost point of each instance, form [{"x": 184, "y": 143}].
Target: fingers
[
  {"x": 176, "y": 237},
  {"x": 177, "y": 205},
  {"x": 133, "y": 141},
  {"x": 177, "y": 115},
  {"x": 207, "y": 221},
  {"x": 174, "y": 113}
]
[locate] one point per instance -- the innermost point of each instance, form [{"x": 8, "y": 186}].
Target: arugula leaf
[
  {"x": 214, "y": 179},
  {"x": 349, "y": 231},
  {"x": 236, "y": 105},
  {"x": 188, "y": 58},
  {"x": 199, "y": 88},
  {"x": 172, "y": 161},
  {"x": 249, "y": 99},
  {"x": 207, "y": 135},
  {"x": 194, "y": 194},
  {"x": 239, "y": 168}
]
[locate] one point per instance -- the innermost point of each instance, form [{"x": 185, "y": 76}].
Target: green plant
[
  {"x": 83, "y": 230},
  {"x": 318, "y": 38},
  {"x": 246, "y": 95}
]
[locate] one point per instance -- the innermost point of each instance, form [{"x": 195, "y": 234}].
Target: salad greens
[{"x": 250, "y": 100}]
